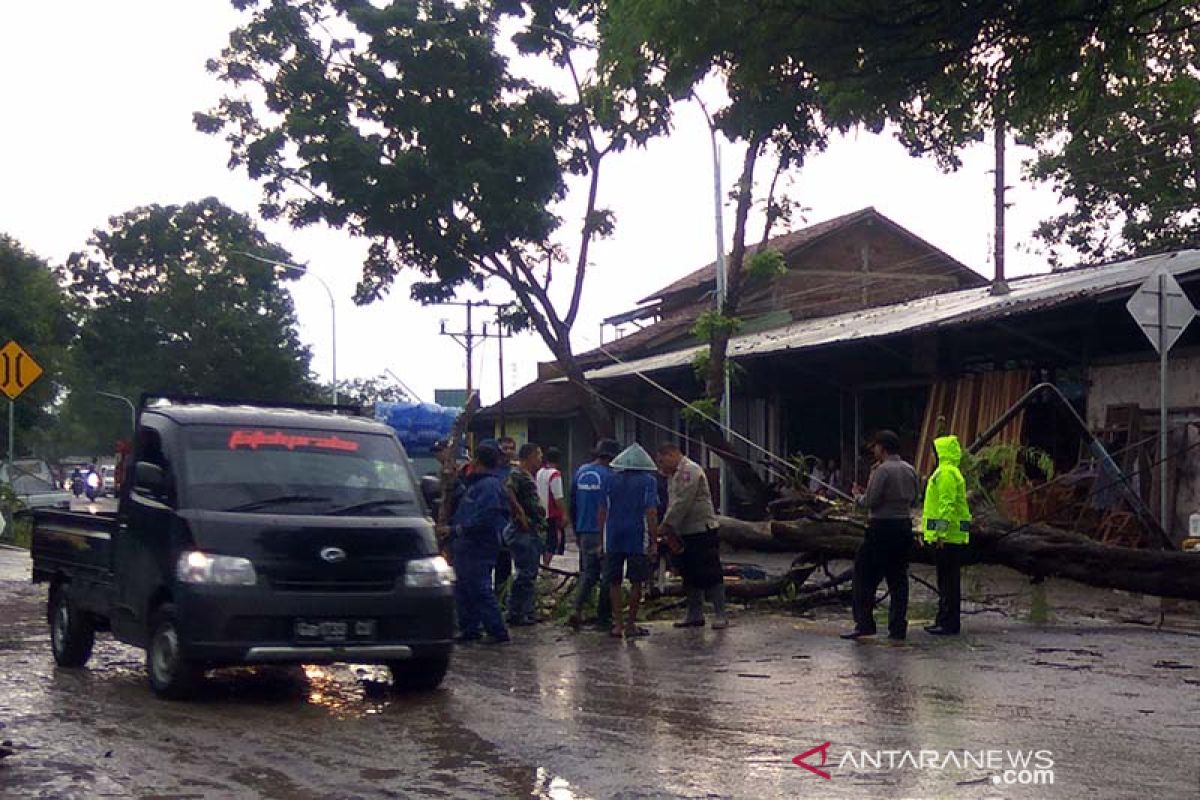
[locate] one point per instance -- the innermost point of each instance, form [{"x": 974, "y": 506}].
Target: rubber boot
[
  {"x": 695, "y": 610},
  {"x": 716, "y": 596}
]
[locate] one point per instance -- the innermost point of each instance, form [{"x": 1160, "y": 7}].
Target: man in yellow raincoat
[{"x": 947, "y": 527}]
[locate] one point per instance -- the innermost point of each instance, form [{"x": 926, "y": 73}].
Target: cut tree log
[
  {"x": 1037, "y": 550},
  {"x": 751, "y": 590}
]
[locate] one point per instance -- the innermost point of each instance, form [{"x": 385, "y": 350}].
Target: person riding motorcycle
[{"x": 93, "y": 483}]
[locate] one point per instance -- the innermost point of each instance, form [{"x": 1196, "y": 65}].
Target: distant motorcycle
[
  {"x": 93, "y": 482},
  {"x": 77, "y": 483}
]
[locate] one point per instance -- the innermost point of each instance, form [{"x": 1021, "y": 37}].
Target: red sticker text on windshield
[{"x": 289, "y": 441}]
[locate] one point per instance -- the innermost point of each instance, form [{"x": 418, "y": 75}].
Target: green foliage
[
  {"x": 1003, "y": 466},
  {"x": 413, "y": 128},
  {"x": 701, "y": 412},
  {"x": 364, "y": 392},
  {"x": 1108, "y": 91},
  {"x": 35, "y": 313},
  {"x": 700, "y": 365},
  {"x": 166, "y": 301},
  {"x": 9, "y": 502},
  {"x": 1127, "y": 161},
  {"x": 711, "y": 323},
  {"x": 766, "y": 265}
]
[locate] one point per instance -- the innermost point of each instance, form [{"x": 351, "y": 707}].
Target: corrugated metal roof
[{"x": 1030, "y": 293}]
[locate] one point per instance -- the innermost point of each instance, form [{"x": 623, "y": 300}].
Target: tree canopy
[
  {"x": 34, "y": 313},
  {"x": 410, "y": 124},
  {"x": 167, "y": 301},
  {"x": 1106, "y": 90}
]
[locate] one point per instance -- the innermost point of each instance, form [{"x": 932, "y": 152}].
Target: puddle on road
[{"x": 553, "y": 787}]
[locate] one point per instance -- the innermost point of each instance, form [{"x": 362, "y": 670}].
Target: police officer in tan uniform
[{"x": 691, "y": 522}]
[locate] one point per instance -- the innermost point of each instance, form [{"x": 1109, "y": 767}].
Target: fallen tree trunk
[
  {"x": 1039, "y": 551},
  {"x": 750, "y": 590}
]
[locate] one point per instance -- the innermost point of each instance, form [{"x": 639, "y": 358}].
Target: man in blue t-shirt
[
  {"x": 629, "y": 517},
  {"x": 587, "y": 496}
]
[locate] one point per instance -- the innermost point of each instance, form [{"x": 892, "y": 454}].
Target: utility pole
[
  {"x": 999, "y": 285},
  {"x": 500, "y": 335},
  {"x": 467, "y": 339}
]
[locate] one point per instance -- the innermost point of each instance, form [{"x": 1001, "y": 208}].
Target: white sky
[{"x": 98, "y": 100}]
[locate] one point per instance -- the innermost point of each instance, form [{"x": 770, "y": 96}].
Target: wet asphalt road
[{"x": 693, "y": 713}]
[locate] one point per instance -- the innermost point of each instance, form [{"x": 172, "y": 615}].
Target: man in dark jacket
[
  {"x": 475, "y": 542},
  {"x": 524, "y": 536},
  {"x": 889, "y": 498}
]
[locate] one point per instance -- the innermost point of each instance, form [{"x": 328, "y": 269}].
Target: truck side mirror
[{"x": 149, "y": 478}]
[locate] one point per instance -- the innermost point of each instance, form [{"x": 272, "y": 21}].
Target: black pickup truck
[{"x": 246, "y": 535}]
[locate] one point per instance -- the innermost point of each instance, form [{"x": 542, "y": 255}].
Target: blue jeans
[
  {"x": 526, "y": 551},
  {"x": 477, "y": 606},
  {"x": 591, "y": 570}
]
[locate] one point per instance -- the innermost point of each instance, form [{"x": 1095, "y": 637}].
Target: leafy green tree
[
  {"x": 1105, "y": 89},
  {"x": 167, "y": 301},
  {"x": 406, "y": 124},
  {"x": 1128, "y": 161},
  {"x": 363, "y": 392},
  {"x": 773, "y": 108},
  {"x": 33, "y": 312}
]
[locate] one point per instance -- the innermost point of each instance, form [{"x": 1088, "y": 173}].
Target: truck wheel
[
  {"x": 419, "y": 674},
  {"x": 71, "y": 632},
  {"x": 172, "y": 675}
]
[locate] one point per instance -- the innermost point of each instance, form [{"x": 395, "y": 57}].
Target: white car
[
  {"x": 108, "y": 478},
  {"x": 32, "y": 484}
]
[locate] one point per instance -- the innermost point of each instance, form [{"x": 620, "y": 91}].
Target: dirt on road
[{"x": 697, "y": 713}]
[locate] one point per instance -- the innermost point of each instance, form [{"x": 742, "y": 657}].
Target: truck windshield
[{"x": 295, "y": 471}]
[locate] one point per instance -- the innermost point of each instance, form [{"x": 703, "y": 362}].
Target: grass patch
[
  {"x": 19, "y": 533},
  {"x": 1040, "y": 610}
]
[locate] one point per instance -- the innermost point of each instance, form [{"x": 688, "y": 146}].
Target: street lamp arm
[
  {"x": 126, "y": 401},
  {"x": 328, "y": 293}
]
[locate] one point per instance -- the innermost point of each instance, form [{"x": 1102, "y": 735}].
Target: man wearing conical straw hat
[{"x": 629, "y": 519}]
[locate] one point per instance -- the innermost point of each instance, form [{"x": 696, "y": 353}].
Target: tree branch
[{"x": 585, "y": 241}]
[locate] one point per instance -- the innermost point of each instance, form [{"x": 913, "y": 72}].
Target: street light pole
[
  {"x": 332, "y": 306},
  {"x": 128, "y": 402},
  {"x": 726, "y": 395}
]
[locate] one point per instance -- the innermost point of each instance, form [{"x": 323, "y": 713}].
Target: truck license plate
[{"x": 335, "y": 630}]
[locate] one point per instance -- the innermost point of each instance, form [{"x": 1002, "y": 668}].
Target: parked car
[
  {"x": 108, "y": 478},
  {"x": 253, "y": 535},
  {"x": 33, "y": 483}
]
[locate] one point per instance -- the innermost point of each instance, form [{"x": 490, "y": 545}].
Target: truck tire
[
  {"x": 71, "y": 631},
  {"x": 422, "y": 674},
  {"x": 171, "y": 674}
]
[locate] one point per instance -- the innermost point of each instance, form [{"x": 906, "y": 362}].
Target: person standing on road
[
  {"x": 946, "y": 525},
  {"x": 508, "y": 462},
  {"x": 550, "y": 493},
  {"x": 523, "y": 535},
  {"x": 629, "y": 518},
  {"x": 587, "y": 494},
  {"x": 890, "y": 495},
  {"x": 474, "y": 534},
  {"x": 691, "y": 521}
]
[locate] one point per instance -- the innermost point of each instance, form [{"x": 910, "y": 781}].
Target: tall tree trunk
[{"x": 594, "y": 409}]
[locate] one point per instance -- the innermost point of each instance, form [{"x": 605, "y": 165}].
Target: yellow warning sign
[{"x": 18, "y": 370}]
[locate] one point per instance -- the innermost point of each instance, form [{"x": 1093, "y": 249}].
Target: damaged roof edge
[{"x": 1029, "y": 293}]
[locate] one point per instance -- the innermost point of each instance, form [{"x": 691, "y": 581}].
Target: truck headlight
[
  {"x": 197, "y": 567},
  {"x": 428, "y": 573}
]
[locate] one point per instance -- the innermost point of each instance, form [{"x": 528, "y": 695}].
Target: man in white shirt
[{"x": 550, "y": 493}]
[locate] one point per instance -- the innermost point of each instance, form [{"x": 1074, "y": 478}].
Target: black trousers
[
  {"x": 883, "y": 555},
  {"x": 503, "y": 570},
  {"x": 948, "y": 558}
]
